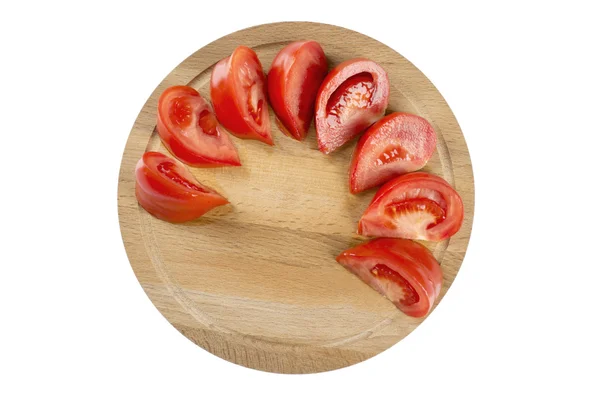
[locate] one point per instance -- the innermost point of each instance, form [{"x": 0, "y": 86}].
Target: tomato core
[
  {"x": 354, "y": 92},
  {"x": 409, "y": 294},
  {"x": 255, "y": 105},
  {"x": 167, "y": 168},
  {"x": 390, "y": 154},
  {"x": 420, "y": 208}
]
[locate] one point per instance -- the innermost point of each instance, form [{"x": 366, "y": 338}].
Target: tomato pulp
[
  {"x": 403, "y": 271},
  {"x": 239, "y": 95},
  {"x": 396, "y": 144},
  {"x": 190, "y": 131},
  {"x": 352, "y": 96},
  {"x": 417, "y": 205}
]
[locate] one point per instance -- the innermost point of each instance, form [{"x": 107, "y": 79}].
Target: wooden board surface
[{"x": 256, "y": 282}]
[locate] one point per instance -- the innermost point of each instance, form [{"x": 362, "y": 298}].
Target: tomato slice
[
  {"x": 417, "y": 205},
  {"x": 394, "y": 145},
  {"x": 167, "y": 189},
  {"x": 239, "y": 95},
  {"x": 190, "y": 131},
  {"x": 403, "y": 271},
  {"x": 293, "y": 81},
  {"x": 353, "y": 96}
]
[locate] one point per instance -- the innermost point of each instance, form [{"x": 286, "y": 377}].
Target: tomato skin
[
  {"x": 234, "y": 82},
  {"x": 376, "y": 222},
  {"x": 293, "y": 81},
  {"x": 411, "y": 260},
  {"x": 396, "y": 144},
  {"x": 190, "y": 143},
  {"x": 332, "y": 134},
  {"x": 174, "y": 195}
]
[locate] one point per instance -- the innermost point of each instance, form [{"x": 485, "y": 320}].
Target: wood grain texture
[{"x": 256, "y": 282}]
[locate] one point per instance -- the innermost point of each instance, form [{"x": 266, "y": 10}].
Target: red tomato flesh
[
  {"x": 293, "y": 81},
  {"x": 189, "y": 130},
  {"x": 417, "y": 205},
  {"x": 355, "y": 93},
  {"x": 352, "y": 96},
  {"x": 407, "y": 295},
  {"x": 239, "y": 95},
  {"x": 403, "y": 271},
  {"x": 394, "y": 145},
  {"x": 167, "y": 189}
]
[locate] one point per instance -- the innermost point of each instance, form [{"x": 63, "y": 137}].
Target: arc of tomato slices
[
  {"x": 167, "y": 189},
  {"x": 417, "y": 205},
  {"x": 403, "y": 271}
]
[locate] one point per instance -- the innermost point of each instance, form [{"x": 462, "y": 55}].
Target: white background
[{"x": 520, "y": 321}]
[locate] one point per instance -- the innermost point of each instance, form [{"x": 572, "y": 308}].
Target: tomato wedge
[
  {"x": 169, "y": 191},
  {"x": 189, "y": 130},
  {"x": 403, "y": 271},
  {"x": 394, "y": 145},
  {"x": 353, "y": 96},
  {"x": 239, "y": 95},
  {"x": 293, "y": 81},
  {"x": 417, "y": 205}
]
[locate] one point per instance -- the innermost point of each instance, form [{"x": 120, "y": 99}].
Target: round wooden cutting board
[{"x": 256, "y": 282}]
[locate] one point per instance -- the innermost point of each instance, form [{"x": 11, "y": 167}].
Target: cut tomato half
[
  {"x": 394, "y": 145},
  {"x": 353, "y": 96},
  {"x": 293, "y": 81},
  {"x": 417, "y": 205},
  {"x": 239, "y": 95},
  {"x": 403, "y": 271},
  {"x": 167, "y": 189},
  {"x": 190, "y": 131}
]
